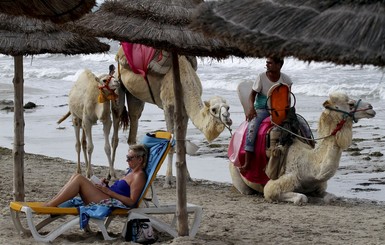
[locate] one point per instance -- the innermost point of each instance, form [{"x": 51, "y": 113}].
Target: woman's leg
[
  {"x": 65, "y": 186},
  {"x": 78, "y": 184}
]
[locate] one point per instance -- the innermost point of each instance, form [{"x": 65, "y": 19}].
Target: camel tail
[
  {"x": 124, "y": 119},
  {"x": 64, "y": 117}
]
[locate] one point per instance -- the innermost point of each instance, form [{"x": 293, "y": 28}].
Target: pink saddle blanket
[
  {"x": 236, "y": 152},
  {"x": 138, "y": 57}
]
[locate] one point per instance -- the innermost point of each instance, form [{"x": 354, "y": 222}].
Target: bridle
[
  {"x": 106, "y": 91},
  {"x": 346, "y": 115},
  {"x": 350, "y": 113},
  {"x": 340, "y": 124},
  {"x": 220, "y": 118}
]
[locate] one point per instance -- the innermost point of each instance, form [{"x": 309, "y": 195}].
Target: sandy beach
[{"x": 228, "y": 217}]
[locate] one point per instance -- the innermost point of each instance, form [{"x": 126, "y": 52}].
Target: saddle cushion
[{"x": 256, "y": 172}]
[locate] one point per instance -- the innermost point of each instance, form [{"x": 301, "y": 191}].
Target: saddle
[{"x": 159, "y": 63}]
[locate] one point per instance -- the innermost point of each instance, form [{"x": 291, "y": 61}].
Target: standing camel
[
  {"x": 210, "y": 117},
  {"x": 90, "y": 100}
]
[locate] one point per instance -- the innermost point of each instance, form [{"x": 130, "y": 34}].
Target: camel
[
  {"x": 90, "y": 100},
  {"x": 210, "y": 117},
  {"x": 308, "y": 169}
]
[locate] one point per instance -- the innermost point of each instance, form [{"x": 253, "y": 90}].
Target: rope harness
[
  {"x": 220, "y": 119},
  {"x": 106, "y": 93},
  {"x": 339, "y": 124}
]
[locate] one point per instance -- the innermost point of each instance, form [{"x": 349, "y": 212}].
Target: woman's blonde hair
[{"x": 140, "y": 150}]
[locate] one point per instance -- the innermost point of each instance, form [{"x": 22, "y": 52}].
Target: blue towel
[{"x": 93, "y": 210}]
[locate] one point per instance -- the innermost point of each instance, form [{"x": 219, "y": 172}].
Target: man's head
[{"x": 274, "y": 63}]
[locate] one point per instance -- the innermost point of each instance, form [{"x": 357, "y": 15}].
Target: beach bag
[
  {"x": 140, "y": 231},
  {"x": 236, "y": 143}
]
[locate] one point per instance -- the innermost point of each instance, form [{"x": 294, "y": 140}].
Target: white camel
[
  {"x": 307, "y": 170},
  {"x": 210, "y": 117},
  {"x": 89, "y": 101}
]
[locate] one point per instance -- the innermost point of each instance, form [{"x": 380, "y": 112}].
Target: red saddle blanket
[{"x": 236, "y": 152}]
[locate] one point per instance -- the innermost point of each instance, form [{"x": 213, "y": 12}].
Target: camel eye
[{"x": 214, "y": 110}]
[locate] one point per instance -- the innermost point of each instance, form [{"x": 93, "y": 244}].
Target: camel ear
[
  {"x": 207, "y": 104},
  {"x": 326, "y": 103}
]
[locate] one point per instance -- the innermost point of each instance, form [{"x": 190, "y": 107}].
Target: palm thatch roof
[
  {"x": 343, "y": 32},
  {"x": 21, "y": 35},
  {"x": 162, "y": 24},
  {"x": 58, "y": 11}
]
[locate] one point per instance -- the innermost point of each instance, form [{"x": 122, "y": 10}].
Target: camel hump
[
  {"x": 278, "y": 102},
  {"x": 243, "y": 91}
]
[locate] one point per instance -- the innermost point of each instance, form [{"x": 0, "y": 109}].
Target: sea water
[{"x": 49, "y": 77}]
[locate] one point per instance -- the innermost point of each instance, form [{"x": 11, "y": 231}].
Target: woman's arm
[{"x": 136, "y": 188}]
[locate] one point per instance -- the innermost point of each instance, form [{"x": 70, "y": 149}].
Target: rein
[{"x": 339, "y": 125}]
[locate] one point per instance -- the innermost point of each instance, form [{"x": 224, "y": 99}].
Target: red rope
[{"x": 339, "y": 127}]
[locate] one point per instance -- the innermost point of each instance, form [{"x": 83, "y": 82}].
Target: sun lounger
[{"x": 145, "y": 207}]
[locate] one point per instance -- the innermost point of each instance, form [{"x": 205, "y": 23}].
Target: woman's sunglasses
[{"x": 129, "y": 158}]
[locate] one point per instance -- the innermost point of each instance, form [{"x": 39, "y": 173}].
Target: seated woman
[{"x": 127, "y": 190}]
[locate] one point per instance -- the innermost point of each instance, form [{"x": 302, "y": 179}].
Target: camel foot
[
  {"x": 111, "y": 176},
  {"x": 328, "y": 198},
  {"x": 300, "y": 199},
  {"x": 167, "y": 182},
  {"x": 167, "y": 185}
]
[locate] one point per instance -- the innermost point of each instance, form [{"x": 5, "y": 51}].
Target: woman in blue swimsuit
[{"x": 126, "y": 190}]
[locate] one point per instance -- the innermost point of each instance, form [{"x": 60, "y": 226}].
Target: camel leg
[
  {"x": 87, "y": 127},
  {"x": 169, "y": 116},
  {"x": 282, "y": 189},
  {"x": 322, "y": 195},
  {"x": 116, "y": 111},
  {"x": 238, "y": 182},
  {"x": 107, "y": 123},
  {"x": 184, "y": 125},
  {"x": 77, "y": 124},
  {"x": 84, "y": 147},
  {"x": 135, "y": 109}
]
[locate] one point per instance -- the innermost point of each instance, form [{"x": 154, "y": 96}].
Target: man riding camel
[{"x": 257, "y": 99}]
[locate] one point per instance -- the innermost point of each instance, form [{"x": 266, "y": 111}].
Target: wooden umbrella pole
[
  {"x": 180, "y": 136},
  {"x": 18, "y": 140}
]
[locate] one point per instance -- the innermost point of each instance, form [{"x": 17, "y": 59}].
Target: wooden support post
[
  {"x": 180, "y": 135},
  {"x": 18, "y": 140}
]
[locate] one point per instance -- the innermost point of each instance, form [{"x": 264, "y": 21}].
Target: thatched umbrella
[
  {"x": 342, "y": 32},
  {"x": 58, "y": 11},
  {"x": 162, "y": 24},
  {"x": 20, "y": 36}
]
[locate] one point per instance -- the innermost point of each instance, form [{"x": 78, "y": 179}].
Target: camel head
[
  {"x": 349, "y": 108},
  {"x": 338, "y": 117},
  {"x": 217, "y": 110},
  {"x": 107, "y": 86}
]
